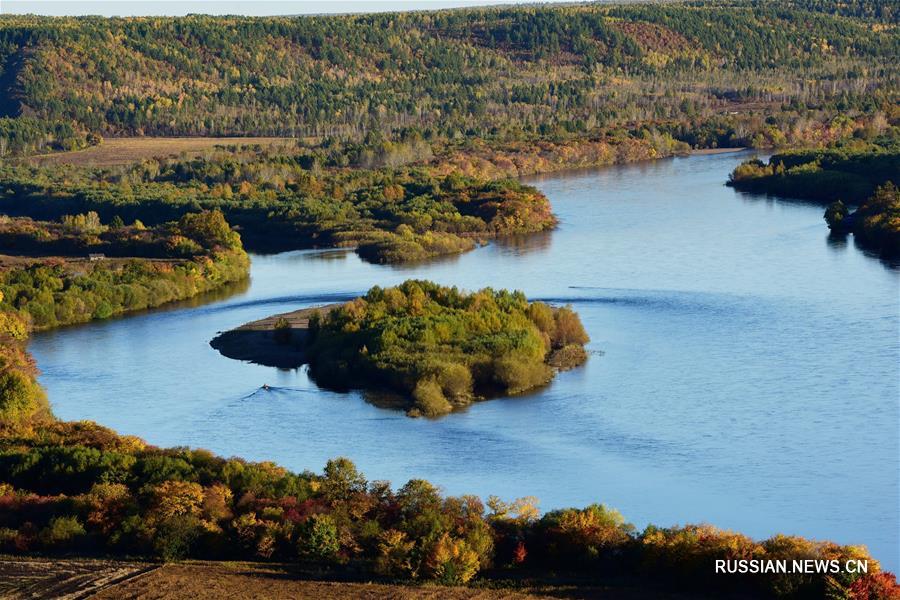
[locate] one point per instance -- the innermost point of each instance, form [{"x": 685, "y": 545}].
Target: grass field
[{"x": 122, "y": 151}]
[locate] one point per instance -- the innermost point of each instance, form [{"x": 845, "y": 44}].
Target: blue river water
[{"x": 745, "y": 367}]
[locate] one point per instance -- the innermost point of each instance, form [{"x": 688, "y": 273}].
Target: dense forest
[
  {"x": 442, "y": 348},
  {"x": 765, "y": 73},
  {"x": 852, "y": 175}
]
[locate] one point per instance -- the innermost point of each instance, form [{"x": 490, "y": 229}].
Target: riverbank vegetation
[
  {"x": 849, "y": 172},
  {"x": 442, "y": 348},
  {"x": 22, "y": 400},
  {"x": 83, "y": 234},
  {"x": 876, "y": 223},
  {"x": 205, "y": 254},
  {"x": 285, "y": 200},
  {"x": 79, "y": 488},
  {"x": 52, "y": 294},
  {"x": 853, "y": 175}
]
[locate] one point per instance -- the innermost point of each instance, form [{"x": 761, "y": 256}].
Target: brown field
[
  {"x": 239, "y": 581},
  {"x": 123, "y": 151},
  {"x": 73, "y": 579},
  {"x": 65, "y": 579}
]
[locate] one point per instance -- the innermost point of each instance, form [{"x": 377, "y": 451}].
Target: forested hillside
[{"x": 488, "y": 73}]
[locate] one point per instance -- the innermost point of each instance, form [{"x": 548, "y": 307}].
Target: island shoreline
[{"x": 256, "y": 341}]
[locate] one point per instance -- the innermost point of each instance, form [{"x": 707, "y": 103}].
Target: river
[{"x": 744, "y": 367}]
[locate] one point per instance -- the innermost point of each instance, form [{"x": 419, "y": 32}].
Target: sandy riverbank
[
  {"x": 705, "y": 151},
  {"x": 256, "y": 342}
]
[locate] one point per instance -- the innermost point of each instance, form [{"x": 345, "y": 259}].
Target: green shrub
[
  {"x": 21, "y": 397},
  {"x": 282, "y": 331},
  {"x": 517, "y": 376},
  {"x": 209, "y": 229},
  {"x": 452, "y": 561},
  {"x": 429, "y": 399},
  {"x": 318, "y": 539},
  {"x": 542, "y": 316},
  {"x": 455, "y": 381},
  {"x": 877, "y": 221},
  {"x": 394, "y": 555},
  {"x": 835, "y": 215},
  {"x": 569, "y": 329},
  {"x": 12, "y": 325},
  {"x": 62, "y": 533},
  {"x": 175, "y": 537}
]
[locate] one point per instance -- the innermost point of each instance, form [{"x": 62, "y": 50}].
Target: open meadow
[{"x": 128, "y": 150}]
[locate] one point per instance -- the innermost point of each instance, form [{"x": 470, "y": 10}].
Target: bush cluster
[
  {"x": 849, "y": 173},
  {"x": 876, "y": 223},
  {"x": 194, "y": 234}
]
